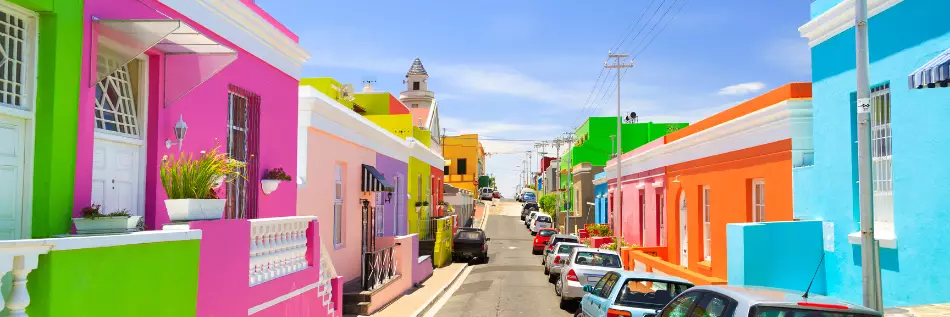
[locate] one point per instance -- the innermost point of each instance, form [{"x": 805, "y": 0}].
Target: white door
[
  {"x": 684, "y": 237},
  {"x": 12, "y": 148},
  {"x": 115, "y": 177}
]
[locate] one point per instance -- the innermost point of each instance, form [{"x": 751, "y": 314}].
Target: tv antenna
[{"x": 805, "y": 296}]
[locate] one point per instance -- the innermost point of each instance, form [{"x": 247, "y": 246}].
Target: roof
[
  {"x": 752, "y": 295},
  {"x": 417, "y": 68},
  {"x": 652, "y": 276}
]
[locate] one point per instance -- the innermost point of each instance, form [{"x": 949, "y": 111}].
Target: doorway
[{"x": 684, "y": 236}]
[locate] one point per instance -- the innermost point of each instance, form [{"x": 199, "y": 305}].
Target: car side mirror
[{"x": 588, "y": 288}]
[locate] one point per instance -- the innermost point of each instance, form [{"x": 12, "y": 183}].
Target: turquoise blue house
[
  {"x": 600, "y": 197},
  {"x": 908, "y": 42}
]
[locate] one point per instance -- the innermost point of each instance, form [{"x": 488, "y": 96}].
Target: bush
[
  {"x": 600, "y": 230},
  {"x": 547, "y": 203}
]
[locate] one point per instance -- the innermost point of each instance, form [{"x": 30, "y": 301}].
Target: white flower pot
[
  {"x": 269, "y": 185},
  {"x": 120, "y": 224},
  {"x": 194, "y": 209}
]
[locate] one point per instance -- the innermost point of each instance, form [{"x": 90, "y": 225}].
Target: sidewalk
[
  {"x": 935, "y": 310},
  {"x": 418, "y": 300}
]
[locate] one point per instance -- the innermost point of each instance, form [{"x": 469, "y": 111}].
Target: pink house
[{"x": 643, "y": 198}]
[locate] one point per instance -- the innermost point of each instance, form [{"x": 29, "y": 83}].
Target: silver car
[
  {"x": 585, "y": 266},
  {"x": 529, "y": 219},
  {"x": 552, "y": 261},
  {"x": 745, "y": 301}
]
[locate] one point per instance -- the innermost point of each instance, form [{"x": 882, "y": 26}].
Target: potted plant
[
  {"x": 273, "y": 178},
  {"x": 189, "y": 183},
  {"x": 94, "y": 222}
]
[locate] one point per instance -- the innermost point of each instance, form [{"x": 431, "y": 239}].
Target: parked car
[
  {"x": 486, "y": 193},
  {"x": 585, "y": 266},
  {"x": 529, "y": 197},
  {"x": 470, "y": 243},
  {"x": 627, "y": 293},
  {"x": 541, "y": 238},
  {"x": 527, "y": 208},
  {"x": 539, "y": 222},
  {"x": 527, "y": 220},
  {"x": 560, "y": 250},
  {"x": 745, "y": 301},
  {"x": 549, "y": 246},
  {"x": 496, "y": 195}
]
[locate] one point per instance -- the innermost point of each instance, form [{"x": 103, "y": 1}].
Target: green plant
[
  {"x": 600, "y": 230},
  {"x": 92, "y": 212},
  {"x": 613, "y": 246},
  {"x": 547, "y": 204},
  {"x": 277, "y": 174},
  {"x": 188, "y": 177}
]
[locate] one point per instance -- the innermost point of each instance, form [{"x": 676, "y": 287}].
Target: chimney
[{"x": 367, "y": 86}]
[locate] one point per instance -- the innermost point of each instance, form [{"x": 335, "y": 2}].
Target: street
[{"x": 512, "y": 283}]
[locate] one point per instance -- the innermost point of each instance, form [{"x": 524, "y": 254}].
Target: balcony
[{"x": 416, "y": 94}]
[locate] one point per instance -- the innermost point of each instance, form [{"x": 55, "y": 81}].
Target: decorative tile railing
[
  {"x": 19, "y": 257},
  {"x": 278, "y": 247}
]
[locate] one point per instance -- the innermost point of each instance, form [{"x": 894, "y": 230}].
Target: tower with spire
[{"x": 417, "y": 94}]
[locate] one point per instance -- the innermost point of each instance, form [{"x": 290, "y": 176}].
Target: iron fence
[
  {"x": 378, "y": 267},
  {"x": 427, "y": 229}
]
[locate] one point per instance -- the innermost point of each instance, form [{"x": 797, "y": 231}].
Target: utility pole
[
  {"x": 569, "y": 139},
  {"x": 557, "y": 181},
  {"x": 870, "y": 254},
  {"x": 618, "y": 65}
]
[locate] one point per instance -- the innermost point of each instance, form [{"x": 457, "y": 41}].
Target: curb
[{"x": 422, "y": 311}]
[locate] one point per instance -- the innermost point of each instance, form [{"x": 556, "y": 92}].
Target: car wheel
[
  {"x": 552, "y": 278},
  {"x": 557, "y": 287},
  {"x": 485, "y": 258},
  {"x": 564, "y": 303},
  {"x": 579, "y": 312},
  {"x": 546, "y": 272}
]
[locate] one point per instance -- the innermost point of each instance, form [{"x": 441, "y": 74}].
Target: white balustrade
[
  {"x": 278, "y": 247},
  {"x": 19, "y": 257}
]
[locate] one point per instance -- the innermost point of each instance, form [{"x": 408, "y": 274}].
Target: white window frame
[
  {"x": 30, "y": 55},
  {"x": 758, "y": 200},
  {"x": 378, "y": 212},
  {"x": 239, "y": 186},
  {"x": 707, "y": 225},
  {"x": 339, "y": 192},
  {"x": 881, "y": 156}
]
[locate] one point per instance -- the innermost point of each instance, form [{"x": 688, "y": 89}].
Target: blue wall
[
  {"x": 902, "y": 39},
  {"x": 600, "y": 199},
  {"x": 775, "y": 254}
]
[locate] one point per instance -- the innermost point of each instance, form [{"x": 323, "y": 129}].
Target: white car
[
  {"x": 529, "y": 218},
  {"x": 552, "y": 261},
  {"x": 585, "y": 266},
  {"x": 539, "y": 222}
]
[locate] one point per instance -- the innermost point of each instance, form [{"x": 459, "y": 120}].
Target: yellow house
[{"x": 464, "y": 161}]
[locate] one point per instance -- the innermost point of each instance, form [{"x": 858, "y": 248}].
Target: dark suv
[{"x": 527, "y": 208}]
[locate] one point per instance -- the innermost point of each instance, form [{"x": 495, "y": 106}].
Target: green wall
[
  {"x": 375, "y": 103},
  {"x": 398, "y": 124},
  {"x": 418, "y": 168},
  {"x": 152, "y": 279},
  {"x": 326, "y": 86},
  {"x": 58, "y": 73}
]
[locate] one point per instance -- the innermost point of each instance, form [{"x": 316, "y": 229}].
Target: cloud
[
  {"x": 742, "y": 89},
  {"x": 502, "y": 80}
]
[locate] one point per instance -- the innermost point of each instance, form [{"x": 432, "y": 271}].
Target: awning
[
  {"x": 935, "y": 73},
  {"x": 374, "y": 181},
  {"x": 190, "y": 58}
]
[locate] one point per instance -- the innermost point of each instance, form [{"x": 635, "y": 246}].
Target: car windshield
[
  {"x": 597, "y": 259},
  {"x": 766, "y": 311},
  {"x": 546, "y": 233},
  {"x": 652, "y": 294},
  {"x": 566, "y": 249},
  {"x": 469, "y": 235}
]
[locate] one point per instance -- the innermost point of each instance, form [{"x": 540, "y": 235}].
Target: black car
[
  {"x": 527, "y": 208},
  {"x": 470, "y": 243}
]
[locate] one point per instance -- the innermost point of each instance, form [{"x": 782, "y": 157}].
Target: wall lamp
[
  {"x": 180, "y": 129},
  {"x": 389, "y": 197},
  {"x": 676, "y": 179}
]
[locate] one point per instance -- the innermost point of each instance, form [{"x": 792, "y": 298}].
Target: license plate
[{"x": 593, "y": 279}]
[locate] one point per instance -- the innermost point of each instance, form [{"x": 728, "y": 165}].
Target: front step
[{"x": 358, "y": 302}]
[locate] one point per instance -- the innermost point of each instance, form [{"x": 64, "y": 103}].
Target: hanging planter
[
  {"x": 93, "y": 222},
  {"x": 189, "y": 184},
  {"x": 272, "y": 179}
]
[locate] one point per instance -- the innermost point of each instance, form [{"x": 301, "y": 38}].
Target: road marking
[
  {"x": 512, "y": 248},
  {"x": 448, "y": 294}
]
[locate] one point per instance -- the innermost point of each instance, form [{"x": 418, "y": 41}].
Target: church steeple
[{"x": 417, "y": 94}]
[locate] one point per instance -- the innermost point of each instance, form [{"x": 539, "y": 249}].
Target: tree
[{"x": 547, "y": 204}]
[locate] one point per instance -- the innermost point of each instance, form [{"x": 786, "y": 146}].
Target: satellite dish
[{"x": 347, "y": 92}]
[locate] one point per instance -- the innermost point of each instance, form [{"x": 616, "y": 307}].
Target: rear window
[
  {"x": 544, "y": 219},
  {"x": 566, "y": 249},
  {"x": 469, "y": 235},
  {"x": 597, "y": 259},
  {"x": 563, "y": 239},
  {"x": 546, "y": 233},
  {"x": 651, "y": 294},
  {"x": 767, "y": 311}
]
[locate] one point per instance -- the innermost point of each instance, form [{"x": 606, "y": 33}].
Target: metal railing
[
  {"x": 428, "y": 228},
  {"x": 378, "y": 267}
]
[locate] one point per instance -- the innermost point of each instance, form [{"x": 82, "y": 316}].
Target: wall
[
  {"x": 405, "y": 247},
  {"x": 729, "y": 177},
  {"x": 328, "y": 86},
  {"x": 205, "y": 109},
  {"x": 375, "y": 103},
  {"x": 316, "y": 199},
  {"x": 466, "y": 147},
  {"x": 914, "y": 35},
  {"x": 390, "y": 168},
  {"x": 652, "y": 184},
  {"x": 117, "y": 280},
  {"x": 436, "y": 180},
  {"x": 400, "y": 125},
  {"x": 417, "y": 170},
  {"x": 783, "y": 254},
  {"x": 57, "y": 88}
]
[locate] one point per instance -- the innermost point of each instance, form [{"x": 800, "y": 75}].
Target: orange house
[{"x": 735, "y": 166}]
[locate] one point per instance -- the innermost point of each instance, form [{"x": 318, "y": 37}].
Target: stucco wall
[
  {"x": 783, "y": 254},
  {"x": 419, "y": 173},
  {"x": 316, "y": 199},
  {"x": 204, "y": 109},
  {"x": 901, "y": 39},
  {"x": 394, "y": 220},
  {"x": 631, "y": 207}
]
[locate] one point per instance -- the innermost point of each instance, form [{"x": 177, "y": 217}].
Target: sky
[{"x": 533, "y": 69}]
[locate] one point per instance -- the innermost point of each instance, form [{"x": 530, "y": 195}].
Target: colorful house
[
  {"x": 908, "y": 54},
  {"x": 600, "y": 198},
  {"x": 465, "y": 161},
  {"x": 732, "y": 167}
]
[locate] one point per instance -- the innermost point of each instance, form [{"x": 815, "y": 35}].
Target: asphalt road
[{"x": 513, "y": 282}]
